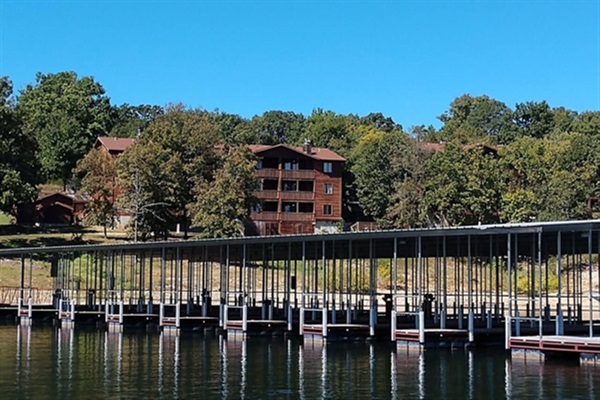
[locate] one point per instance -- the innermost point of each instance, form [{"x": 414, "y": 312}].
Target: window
[
  {"x": 328, "y": 188},
  {"x": 327, "y": 167},
  {"x": 259, "y": 164},
  {"x": 290, "y": 186},
  {"x": 327, "y": 209},
  {"x": 289, "y": 207},
  {"x": 305, "y": 207}
]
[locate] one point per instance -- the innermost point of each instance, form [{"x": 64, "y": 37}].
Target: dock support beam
[
  {"x": 422, "y": 327},
  {"x": 507, "y": 332},
  {"x": 471, "y": 326}
]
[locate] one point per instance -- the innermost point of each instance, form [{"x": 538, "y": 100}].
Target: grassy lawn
[
  {"x": 5, "y": 219},
  {"x": 12, "y": 236}
]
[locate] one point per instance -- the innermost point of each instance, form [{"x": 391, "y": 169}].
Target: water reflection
[{"x": 55, "y": 363}]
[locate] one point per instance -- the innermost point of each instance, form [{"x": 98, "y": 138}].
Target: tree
[
  {"x": 188, "y": 138},
  {"x": 224, "y": 202},
  {"x": 99, "y": 174},
  {"x": 380, "y": 122},
  {"x": 551, "y": 178},
  {"x": 147, "y": 188},
  {"x": 463, "y": 186},
  {"x": 588, "y": 123},
  {"x": 337, "y": 132},
  {"x": 65, "y": 114},
  {"x": 18, "y": 164},
  {"x": 477, "y": 119},
  {"x": 128, "y": 121},
  {"x": 534, "y": 119},
  {"x": 372, "y": 169},
  {"x": 273, "y": 127}
]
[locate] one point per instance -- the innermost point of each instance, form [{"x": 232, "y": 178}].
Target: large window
[
  {"x": 289, "y": 186},
  {"x": 327, "y": 167},
  {"x": 305, "y": 207},
  {"x": 327, "y": 209},
  {"x": 289, "y": 207},
  {"x": 328, "y": 188},
  {"x": 291, "y": 165}
]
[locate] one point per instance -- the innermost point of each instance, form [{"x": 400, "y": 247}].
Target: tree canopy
[
  {"x": 65, "y": 114},
  {"x": 486, "y": 163},
  {"x": 18, "y": 163}
]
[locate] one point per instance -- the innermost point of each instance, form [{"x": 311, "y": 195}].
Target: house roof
[
  {"x": 318, "y": 153},
  {"x": 114, "y": 144}
]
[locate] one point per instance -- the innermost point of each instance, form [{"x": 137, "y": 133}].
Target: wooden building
[
  {"x": 50, "y": 209},
  {"x": 112, "y": 145},
  {"x": 300, "y": 190}
]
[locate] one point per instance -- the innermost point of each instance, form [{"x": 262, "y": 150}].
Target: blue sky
[{"x": 406, "y": 59}]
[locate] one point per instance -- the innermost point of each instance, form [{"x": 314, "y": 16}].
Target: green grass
[{"x": 5, "y": 219}]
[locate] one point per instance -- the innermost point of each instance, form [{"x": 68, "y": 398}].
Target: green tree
[
  {"x": 477, "y": 119},
  {"x": 99, "y": 174},
  {"x": 65, "y": 114},
  {"x": 18, "y": 164},
  {"x": 337, "y": 132},
  {"x": 146, "y": 188},
  {"x": 127, "y": 120},
  {"x": 588, "y": 123},
  {"x": 380, "y": 122},
  {"x": 463, "y": 186},
  {"x": 371, "y": 168},
  {"x": 551, "y": 178},
  {"x": 189, "y": 139},
  {"x": 223, "y": 203},
  {"x": 273, "y": 127},
  {"x": 534, "y": 119}
]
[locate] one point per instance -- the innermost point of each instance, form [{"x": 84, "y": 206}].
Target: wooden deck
[
  {"x": 435, "y": 337},
  {"x": 259, "y": 326},
  {"x": 557, "y": 344},
  {"x": 337, "y": 331}
]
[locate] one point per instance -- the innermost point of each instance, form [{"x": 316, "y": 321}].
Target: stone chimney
[{"x": 307, "y": 147}]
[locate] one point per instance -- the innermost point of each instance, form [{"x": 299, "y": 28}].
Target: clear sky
[{"x": 406, "y": 59}]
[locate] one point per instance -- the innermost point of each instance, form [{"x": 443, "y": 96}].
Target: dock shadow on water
[{"x": 46, "y": 362}]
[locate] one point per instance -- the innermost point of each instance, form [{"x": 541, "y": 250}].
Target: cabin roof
[{"x": 318, "y": 153}]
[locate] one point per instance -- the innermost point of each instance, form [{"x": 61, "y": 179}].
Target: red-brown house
[
  {"x": 112, "y": 145},
  {"x": 300, "y": 190},
  {"x": 57, "y": 208}
]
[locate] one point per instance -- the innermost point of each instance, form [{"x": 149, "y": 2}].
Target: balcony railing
[
  {"x": 298, "y": 174},
  {"x": 268, "y": 173},
  {"x": 297, "y": 195},
  {"x": 299, "y": 217},
  {"x": 288, "y": 217},
  {"x": 273, "y": 173},
  {"x": 266, "y": 194},
  {"x": 263, "y": 216}
]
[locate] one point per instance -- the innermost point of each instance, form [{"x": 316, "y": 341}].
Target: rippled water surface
[{"x": 46, "y": 362}]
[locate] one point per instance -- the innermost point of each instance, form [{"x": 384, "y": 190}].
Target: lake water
[{"x": 50, "y": 363}]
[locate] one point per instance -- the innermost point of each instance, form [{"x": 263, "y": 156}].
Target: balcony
[
  {"x": 263, "y": 216},
  {"x": 297, "y": 217},
  {"x": 298, "y": 174},
  {"x": 266, "y": 194},
  {"x": 268, "y": 173},
  {"x": 298, "y": 195},
  {"x": 272, "y": 216}
]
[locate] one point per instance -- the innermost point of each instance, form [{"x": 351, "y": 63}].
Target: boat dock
[{"x": 433, "y": 287}]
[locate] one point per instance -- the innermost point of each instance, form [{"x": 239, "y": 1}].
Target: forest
[{"x": 487, "y": 162}]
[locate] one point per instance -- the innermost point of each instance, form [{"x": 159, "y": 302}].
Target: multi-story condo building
[{"x": 300, "y": 190}]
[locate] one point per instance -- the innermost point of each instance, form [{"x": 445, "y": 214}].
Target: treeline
[{"x": 487, "y": 163}]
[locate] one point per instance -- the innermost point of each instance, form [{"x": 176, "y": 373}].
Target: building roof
[
  {"x": 318, "y": 153},
  {"x": 114, "y": 144}
]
